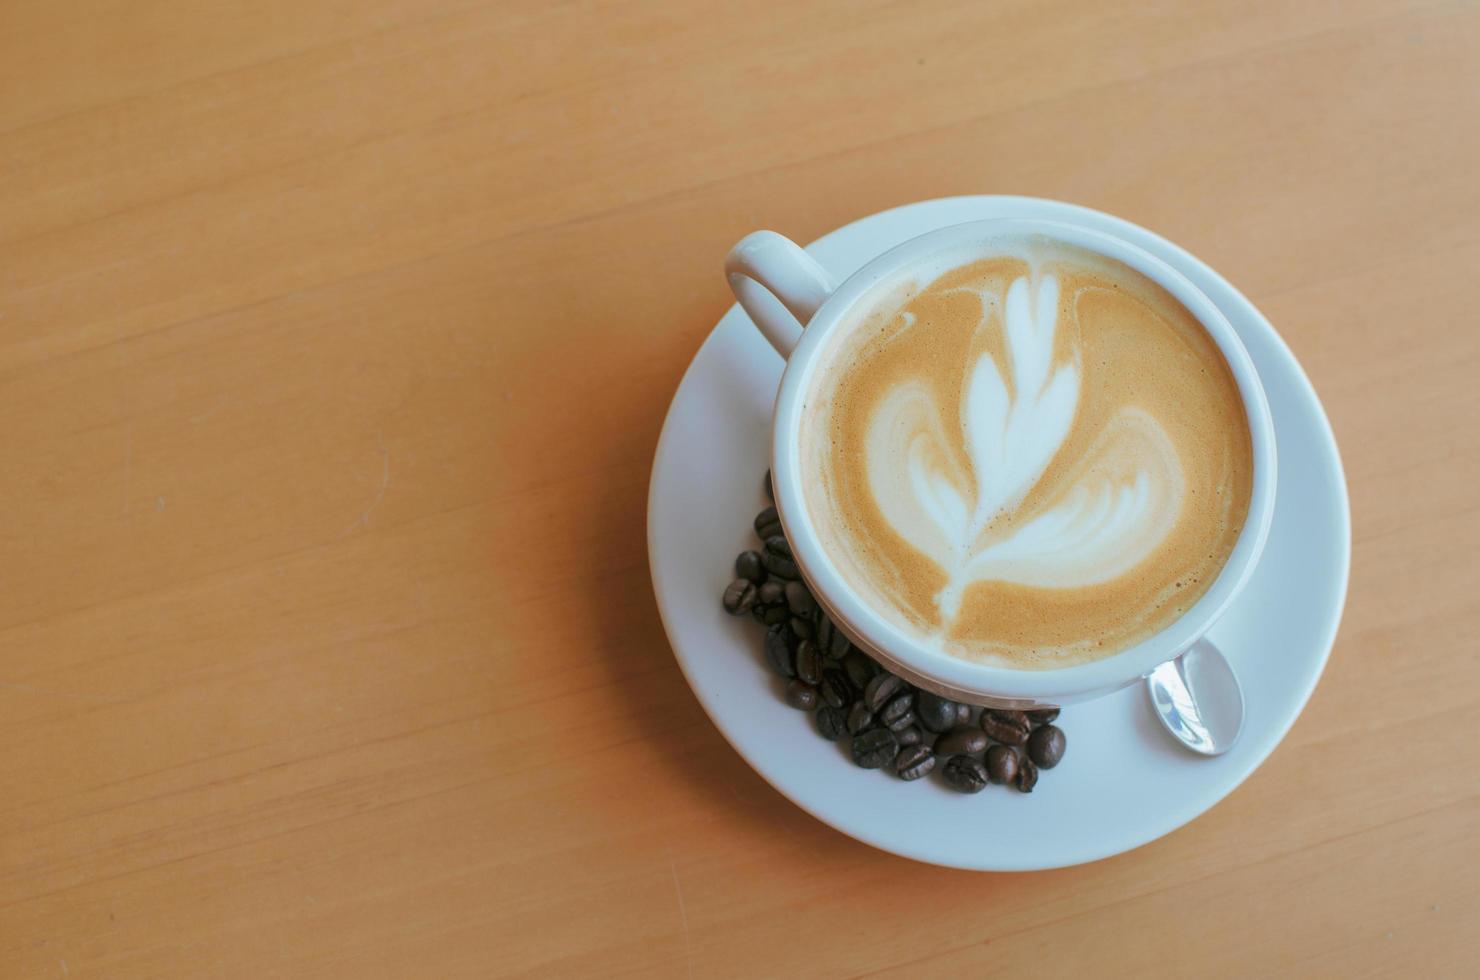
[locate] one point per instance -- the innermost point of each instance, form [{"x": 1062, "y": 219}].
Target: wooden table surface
[{"x": 335, "y": 338}]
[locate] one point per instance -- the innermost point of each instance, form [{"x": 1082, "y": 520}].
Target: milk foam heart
[{"x": 1036, "y": 457}]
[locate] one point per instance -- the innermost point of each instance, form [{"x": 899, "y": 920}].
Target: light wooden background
[{"x": 335, "y": 337}]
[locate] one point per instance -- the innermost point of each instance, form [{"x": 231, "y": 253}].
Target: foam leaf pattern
[
  {"x": 925, "y": 499},
  {"x": 1012, "y": 439},
  {"x": 1118, "y": 506}
]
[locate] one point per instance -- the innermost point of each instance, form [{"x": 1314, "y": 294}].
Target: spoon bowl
[{"x": 1198, "y": 700}]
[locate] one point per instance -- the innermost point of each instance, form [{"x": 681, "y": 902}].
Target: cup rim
[{"x": 969, "y": 679}]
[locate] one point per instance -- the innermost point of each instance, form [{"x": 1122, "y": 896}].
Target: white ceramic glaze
[
  {"x": 797, "y": 281},
  {"x": 1123, "y": 782}
]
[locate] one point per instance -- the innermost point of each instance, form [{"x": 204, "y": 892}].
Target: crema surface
[{"x": 1034, "y": 458}]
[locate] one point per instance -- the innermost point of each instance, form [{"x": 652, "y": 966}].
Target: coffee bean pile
[{"x": 888, "y": 723}]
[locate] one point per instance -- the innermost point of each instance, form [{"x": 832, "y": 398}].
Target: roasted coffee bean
[
  {"x": 1043, "y": 716},
  {"x": 830, "y": 722},
  {"x": 897, "y": 707},
  {"x": 936, "y": 713},
  {"x": 808, "y": 662},
  {"x": 914, "y": 762},
  {"x": 778, "y": 651},
  {"x": 780, "y": 566},
  {"x": 739, "y": 597},
  {"x": 830, "y": 639},
  {"x": 964, "y": 774},
  {"x": 906, "y": 720},
  {"x": 801, "y": 695},
  {"x": 758, "y": 612},
  {"x": 962, "y": 741},
  {"x": 963, "y": 715},
  {"x": 1046, "y": 746},
  {"x": 1002, "y": 764},
  {"x": 1027, "y": 775},
  {"x": 859, "y": 718},
  {"x": 800, "y": 600},
  {"x": 767, "y": 524},
  {"x": 770, "y": 490},
  {"x": 875, "y": 748},
  {"x": 748, "y": 566},
  {"x": 822, "y": 628},
  {"x": 835, "y": 688},
  {"x": 909, "y": 735},
  {"x": 801, "y": 627},
  {"x": 775, "y": 615},
  {"x": 860, "y": 668},
  {"x": 772, "y": 593},
  {"x": 1007, "y": 727},
  {"x": 777, "y": 559},
  {"x": 881, "y": 688}
]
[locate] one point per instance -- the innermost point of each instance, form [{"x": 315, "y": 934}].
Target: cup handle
[{"x": 779, "y": 286}]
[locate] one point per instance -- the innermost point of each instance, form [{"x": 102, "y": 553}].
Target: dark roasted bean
[
  {"x": 880, "y": 689},
  {"x": 801, "y": 695},
  {"x": 875, "y": 748},
  {"x": 914, "y": 762},
  {"x": 799, "y": 599},
  {"x": 936, "y": 713},
  {"x": 909, "y": 735},
  {"x": 822, "y": 629},
  {"x": 748, "y": 566},
  {"x": 767, "y": 524},
  {"x": 758, "y": 612},
  {"x": 770, "y": 490},
  {"x": 830, "y": 639},
  {"x": 860, "y": 668},
  {"x": 739, "y": 597},
  {"x": 859, "y": 718},
  {"x": 775, "y": 615},
  {"x": 780, "y": 566},
  {"x": 964, "y": 774},
  {"x": 897, "y": 707},
  {"x": 963, "y": 714},
  {"x": 1027, "y": 775},
  {"x": 906, "y": 720},
  {"x": 779, "y": 560},
  {"x": 962, "y": 741},
  {"x": 836, "y": 690},
  {"x": 808, "y": 662},
  {"x": 772, "y": 593},
  {"x": 838, "y": 646},
  {"x": 1002, "y": 764},
  {"x": 1007, "y": 727},
  {"x": 778, "y": 651},
  {"x": 1046, "y": 746},
  {"x": 1043, "y": 716},
  {"x": 801, "y": 628},
  {"x": 830, "y": 722}
]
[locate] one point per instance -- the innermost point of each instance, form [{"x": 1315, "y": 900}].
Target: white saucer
[{"x": 1123, "y": 782}]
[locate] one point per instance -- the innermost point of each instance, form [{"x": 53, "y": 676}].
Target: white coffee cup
[{"x": 782, "y": 288}]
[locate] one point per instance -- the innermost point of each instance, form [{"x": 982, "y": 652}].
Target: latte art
[
  {"x": 1101, "y": 528},
  {"x": 1036, "y": 459}
]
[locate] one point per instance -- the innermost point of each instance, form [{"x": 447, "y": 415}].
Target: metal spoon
[{"x": 1198, "y": 699}]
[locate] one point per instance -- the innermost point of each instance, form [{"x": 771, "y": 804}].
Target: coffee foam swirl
[{"x": 1006, "y": 447}]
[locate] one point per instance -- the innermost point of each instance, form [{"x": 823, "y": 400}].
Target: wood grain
[{"x": 334, "y": 343}]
